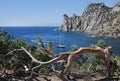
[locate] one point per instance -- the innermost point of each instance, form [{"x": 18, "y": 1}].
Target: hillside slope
[{"x": 97, "y": 19}]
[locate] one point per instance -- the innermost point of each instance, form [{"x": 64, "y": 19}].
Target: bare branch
[
  {"x": 30, "y": 55},
  {"x": 69, "y": 57},
  {"x": 13, "y": 51},
  {"x": 55, "y": 69}
]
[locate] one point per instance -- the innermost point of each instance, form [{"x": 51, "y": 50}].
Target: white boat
[
  {"x": 93, "y": 36},
  {"x": 60, "y": 45}
]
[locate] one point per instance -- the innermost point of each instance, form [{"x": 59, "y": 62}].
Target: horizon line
[{"x": 33, "y": 26}]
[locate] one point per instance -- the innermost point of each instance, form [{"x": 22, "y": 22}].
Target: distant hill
[{"x": 97, "y": 19}]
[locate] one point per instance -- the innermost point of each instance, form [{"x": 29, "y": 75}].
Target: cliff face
[{"x": 97, "y": 19}]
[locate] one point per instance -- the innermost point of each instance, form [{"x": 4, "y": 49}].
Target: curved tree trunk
[{"x": 69, "y": 56}]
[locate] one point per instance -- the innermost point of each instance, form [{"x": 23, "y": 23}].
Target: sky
[{"x": 42, "y": 12}]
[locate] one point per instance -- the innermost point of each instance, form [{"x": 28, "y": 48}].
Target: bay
[{"x": 48, "y": 33}]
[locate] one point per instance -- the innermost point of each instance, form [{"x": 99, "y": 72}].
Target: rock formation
[{"x": 97, "y": 19}]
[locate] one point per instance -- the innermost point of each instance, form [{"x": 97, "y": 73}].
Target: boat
[
  {"x": 60, "y": 45},
  {"x": 93, "y": 36}
]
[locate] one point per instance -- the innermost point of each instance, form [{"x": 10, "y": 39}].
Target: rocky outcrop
[
  {"x": 97, "y": 19},
  {"x": 116, "y": 8}
]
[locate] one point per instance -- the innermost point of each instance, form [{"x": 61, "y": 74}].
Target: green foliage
[
  {"x": 16, "y": 59},
  {"x": 5, "y": 46},
  {"x": 116, "y": 59},
  {"x": 39, "y": 42},
  {"x": 89, "y": 63},
  {"x": 83, "y": 64},
  {"x": 45, "y": 70},
  {"x": 41, "y": 54},
  {"x": 101, "y": 43},
  {"x": 74, "y": 48},
  {"x": 21, "y": 42},
  {"x": 50, "y": 45},
  {"x": 5, "y": 42}
]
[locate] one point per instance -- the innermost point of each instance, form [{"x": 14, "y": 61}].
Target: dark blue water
[{"x": 68, "y": 38}]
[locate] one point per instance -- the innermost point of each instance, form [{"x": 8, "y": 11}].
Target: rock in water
[{"x": 97, "y": 19}]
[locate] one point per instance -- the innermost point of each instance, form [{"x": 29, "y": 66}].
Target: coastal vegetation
[{"x": 19, "y": 59}]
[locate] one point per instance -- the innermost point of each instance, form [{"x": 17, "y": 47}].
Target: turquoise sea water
[{"x": 67, "y": 38}]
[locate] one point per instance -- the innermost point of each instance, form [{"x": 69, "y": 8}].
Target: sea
[{"x": 48, "y": 33}]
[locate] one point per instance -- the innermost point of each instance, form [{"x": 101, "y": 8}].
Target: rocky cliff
[{"x": 97, "y": 19}]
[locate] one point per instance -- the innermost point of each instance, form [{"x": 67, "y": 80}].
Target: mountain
[{"x": 97, "y": 19}]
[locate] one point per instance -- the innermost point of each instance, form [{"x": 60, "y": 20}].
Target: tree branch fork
[{"x": 68, "y": 57}]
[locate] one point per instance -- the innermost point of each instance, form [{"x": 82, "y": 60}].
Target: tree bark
[{"x": 69, "y": 57}]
